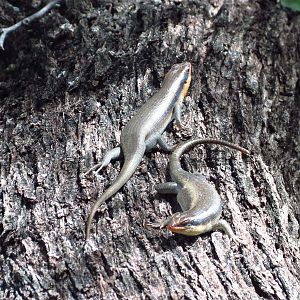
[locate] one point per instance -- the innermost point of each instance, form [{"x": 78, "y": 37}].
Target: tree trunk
[{"x": 70, "y": 81}]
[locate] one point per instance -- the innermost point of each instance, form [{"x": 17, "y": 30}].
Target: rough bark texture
[{"x": 68, "y": 84}]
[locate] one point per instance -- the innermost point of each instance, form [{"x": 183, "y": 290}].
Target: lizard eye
[{"x": 184, "y": 223}]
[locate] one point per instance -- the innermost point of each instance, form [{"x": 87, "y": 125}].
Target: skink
[
  {"x": 199, "y": 200},
  {"x": 145, "y": 130}
]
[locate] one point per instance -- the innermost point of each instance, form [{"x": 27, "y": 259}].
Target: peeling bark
[{"x": 71, "y": 81}]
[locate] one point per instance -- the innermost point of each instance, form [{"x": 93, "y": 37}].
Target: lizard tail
[
  {"x": 126, "y": 172},
  {"x": 183, "y": 147}
]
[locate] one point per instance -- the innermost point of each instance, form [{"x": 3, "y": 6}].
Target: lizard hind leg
[
  {"x": 110, "y": 155},
  {"x": 167, "y": 188},
  {"x": 164, "y": 144}
]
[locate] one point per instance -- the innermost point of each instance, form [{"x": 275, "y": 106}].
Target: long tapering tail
[
  {"x": 183, "y": 147},
  {"x": 126, "y": 172}
]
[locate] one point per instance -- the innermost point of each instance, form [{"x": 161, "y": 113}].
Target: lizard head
[
  {"x": 182, "y": 73},
  {"x": 187, "y": 225}
]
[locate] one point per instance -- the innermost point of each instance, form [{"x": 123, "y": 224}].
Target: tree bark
[{"x": 71, "y": 80}]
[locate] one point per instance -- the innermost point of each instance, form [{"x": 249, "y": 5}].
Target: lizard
[
  {"x": 200, "y": 202},
  {"x": 144, "y": 130}
]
